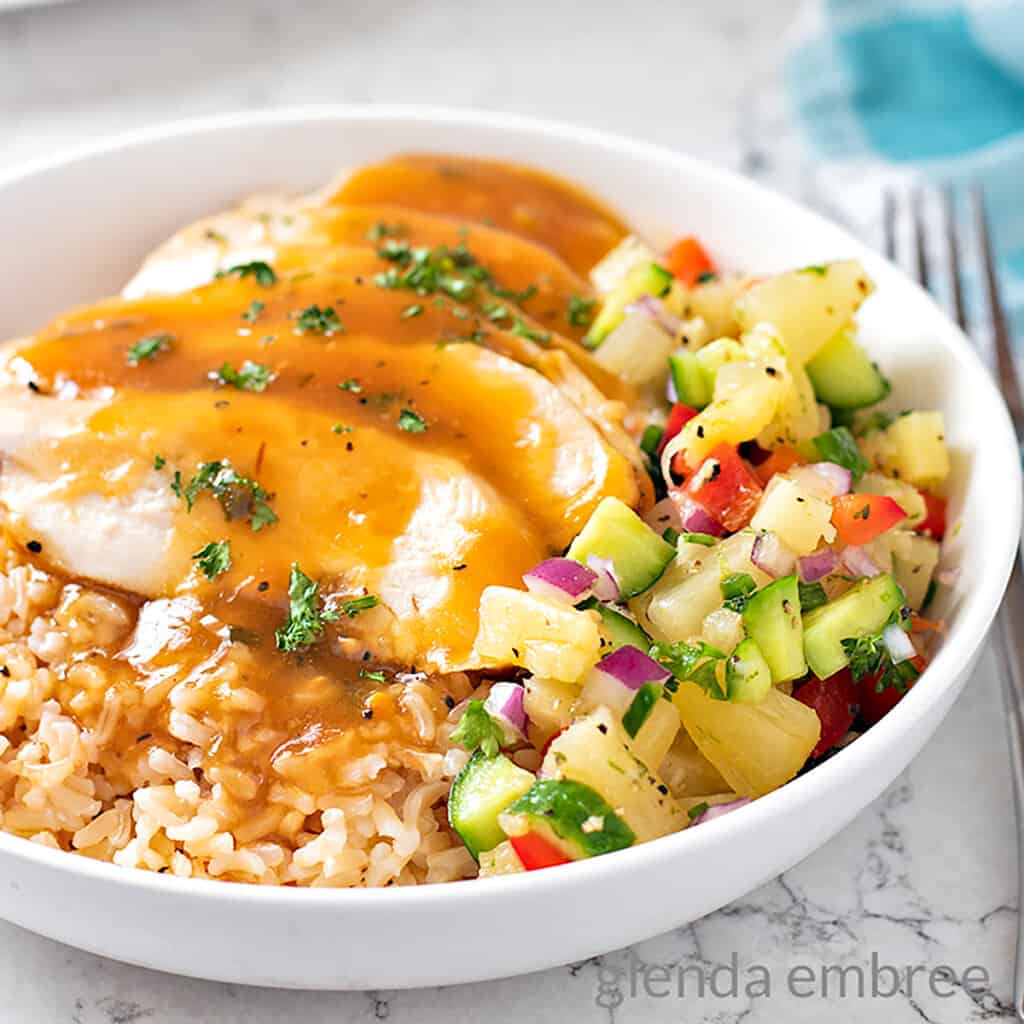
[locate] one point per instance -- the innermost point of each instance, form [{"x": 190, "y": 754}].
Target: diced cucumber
[
  {"x": 616, "y": 532},
  {"x": 640, "y": 709},
  {"x": 844, "y": 376},
  {"x": 483, "y": 789},
  {"x": 620, "y": 631},
  {"x": 747, "y": 674},
  {"x": 864, "y": 609},
  {"x": 692, "y": 382},
  {"x": 772, "y": 620},
  {"x": 576, "y": 817},
  {"x": 649, "y": 279}
]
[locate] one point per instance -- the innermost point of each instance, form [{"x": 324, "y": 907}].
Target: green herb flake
[
  {"x": 696, "y": 663},
  {"x": 838, "y": 445},
  {"x": 477, "y": 729},
  {"x": 239, "y": 496},
  {"x": 869, "y": 656},
  {"x": 314, "y": 320},
  {"x": 250, "y": 377},
  {"x": 353, "y": 606},
  {"x": 306, "y": 616},
  {"x": 812, "y": 595},
  {"x": 707, "y": 277},
  {"x": 252, "y": 314},
  {"x": 820, "y": 269},
  {"x": 376, "y": 676},
  {"x": 383, "y": 230},
  {"x": 736, "y": 588},
  {"x": 411, "y": 422},
  {"x": 521, "y": 329},
  {"x": 410, "y": 311},
  {"x": 339, "y": 428},
  {"x": 261, "y": 272},
  {"x": 580, "y": 311},
  {"x": 159, "y": 462},
  {"x": 148, "y": 347},
  {"x": 700, "y": 538},
  {"x": 214, "y": 558},
  {"x": 697, "y": 810},
  {"x": 351, "y": 385}
]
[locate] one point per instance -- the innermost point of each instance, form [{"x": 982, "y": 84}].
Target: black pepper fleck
[
  {"x": 263, "y": 587},
  {"x": 34, "y": 546}
]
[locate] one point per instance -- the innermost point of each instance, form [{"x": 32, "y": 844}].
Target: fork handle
[{"x": 1011, "y": 618}]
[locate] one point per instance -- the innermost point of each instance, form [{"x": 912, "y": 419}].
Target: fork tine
[
  {"x": 1005, "y": 364},
  {"x": 921, "y": 267},
  {"x": 953, "y": 256},
  {"x": 889, "y": 224}
]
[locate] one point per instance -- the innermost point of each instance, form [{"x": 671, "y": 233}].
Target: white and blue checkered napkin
[{"x": 884, "y": 89}]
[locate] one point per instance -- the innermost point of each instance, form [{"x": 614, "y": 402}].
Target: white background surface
[{"x": 926, "y": 875}]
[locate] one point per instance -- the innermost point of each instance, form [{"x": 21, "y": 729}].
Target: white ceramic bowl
[{"x": 76, "y": 227}]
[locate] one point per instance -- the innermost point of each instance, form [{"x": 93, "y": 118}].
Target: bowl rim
[{"x": 978, "y": 608}]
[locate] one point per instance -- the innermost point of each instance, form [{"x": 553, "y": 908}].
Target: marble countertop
[{"x": 924, "y": 877}]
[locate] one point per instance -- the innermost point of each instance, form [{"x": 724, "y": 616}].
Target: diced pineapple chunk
[
  {"x": 548, "y": 704},
  {"x": 541, "y": 635},
  {"x": 637, "y": 350},
  {"x": 907, "y": 497},
  {"x": 618, "y": 264},
  {"x": 800, "y": 518},
  {"x": 687, "y": 772},
  {"x": 914, "y": 560},
  {"x": 654, "y": 738},
  {"x": 713, "y": 301},
  {"x": 912, "y": 448},
  {"x": 723, "y": 629},
  {"x": 595, "y": 751},
  {"x": 737, "y": 417},
  {"x": 502, "y": 860},
  {"x": 756, "y": 747},
  {"x": 806, "y": 306}
]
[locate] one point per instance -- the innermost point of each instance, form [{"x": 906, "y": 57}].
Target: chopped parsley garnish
[
  {"x": 314, "y": 320},
  {"x": 353, "y": 606},
  {"x": 239, "y": 496},
  {"x": 306, "y": 616},
  {"x": 147, "y": 348},
  {"x": 524, "y": 331},
  {"x": 376, "y": 676},
  {"x": 736, "y": 588},
  {"x": 496, "y": 312},
  {"x": 411, "y": 422},
  {"x": 262, "y": 272},
  {"x": 339, "y": 428},
  {"x": 580, "y": 311},
  {"x": 214, "y": 558},
  {"x": 700, "y": 538},
  {"x": 252, "y": 314},
  {"x": 159, "y": 462},
  {"x": 383, "y": 230},
  {"x": 838, "y": 445},
  {"x": 696, "y": 663},
  {"x": 697, "y": 810},
  {"x": 812, "y": 595},
  {"x": 707, "y": 277},
  {"x": 477, "y": 729},
  {"x": 869, "y": 656},
  {"x": 250, "y": 377},
  {"x": 351, "y": 385},
  {"x": 820, "y": 269},
  {"x": 410, "y": 311}
]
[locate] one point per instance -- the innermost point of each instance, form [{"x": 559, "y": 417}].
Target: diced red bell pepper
[
  {"x": 860, "y": 518},
  {"x": 778, "y": 461},
  {"x": 728, "y": 489},
  {"x": 935, "y": 521},
  {"x": 688, "y": 261},
  {"x": 678, "y": 417},
  {"x": 534, "y": 851},
  {"x": 875, "y": 705},
  {"x": 834, "y": 700}
]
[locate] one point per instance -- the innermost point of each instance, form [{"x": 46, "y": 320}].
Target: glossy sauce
[{"x": 506, "y": 468}]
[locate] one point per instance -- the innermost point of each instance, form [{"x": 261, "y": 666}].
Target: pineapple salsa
[{"x": 675, "y": 664}]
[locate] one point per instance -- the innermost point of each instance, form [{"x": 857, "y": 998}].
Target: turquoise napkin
[{"x": 930, "y": 85}]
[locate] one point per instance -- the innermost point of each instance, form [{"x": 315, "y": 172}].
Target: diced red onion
[
  {"x": 562, "y": 579},
  {"x": 898, "y": 643},
  {"x": 631, "y": 668},
  {"x": 813, "y": 567},
  {"x": 606, "y": 585},
  {"x": 655, "y": 310},
  {"x": 505, "y": 704},
  {"x": 696, "y": 519},
  {"x": 770, "y": 555},
  {"x": 664, "y": 514},
  {"x": 840, "y": 478},
  {"x": 858, "y": 562},
  {"x": 948, "y": 577},
  {"x": 718, "y": 810}
]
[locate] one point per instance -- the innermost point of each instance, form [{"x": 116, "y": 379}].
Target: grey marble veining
[{"x": 924, "y": 877}]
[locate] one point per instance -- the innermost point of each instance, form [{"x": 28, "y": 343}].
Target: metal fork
[{"x": 1013, "y": 604}]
